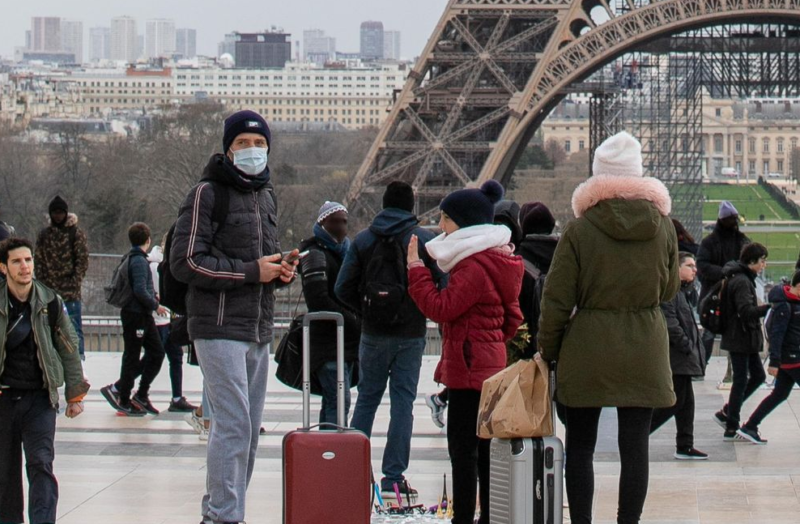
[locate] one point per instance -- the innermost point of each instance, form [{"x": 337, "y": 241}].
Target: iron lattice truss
[{"x": 493, "y": 70}]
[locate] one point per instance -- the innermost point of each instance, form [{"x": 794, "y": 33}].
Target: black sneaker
[
  {"x": 721, "y": 418},
  {"x": 144, "y": 404},
  {"x": 752, "y": 435},
  {"x": 181, "y": 406},
  {"x": 262, "y": 431},
  {"x": 130, "y": 409},
  {"x": 388, "y": 490},
  {"x": 690, "y": 454},
  {"x": 731, "y": 435},
  {"x": 110, "y": 396}
]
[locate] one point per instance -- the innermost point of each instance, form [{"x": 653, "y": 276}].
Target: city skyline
[{"x": 415, "y": 19}]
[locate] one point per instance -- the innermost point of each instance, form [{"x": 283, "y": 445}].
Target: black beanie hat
[
  {"x": 58, "y": 203},
  {"x": 536, "y": 219},
  {"x": 399, "y": 195},
  {"x": 471, "y": 207},
  {"x": 244, "y": 122}
]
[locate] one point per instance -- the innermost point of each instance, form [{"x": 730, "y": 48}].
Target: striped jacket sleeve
[{"x": 192, "y": 258}]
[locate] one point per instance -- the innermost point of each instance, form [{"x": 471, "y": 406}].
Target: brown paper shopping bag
[{"x": 516, "y": 402}]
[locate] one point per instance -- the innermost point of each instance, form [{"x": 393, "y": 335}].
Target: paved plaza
[{"x": 117, "y": 470}]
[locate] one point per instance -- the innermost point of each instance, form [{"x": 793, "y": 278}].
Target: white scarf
[{"x": 449, "y": 250}]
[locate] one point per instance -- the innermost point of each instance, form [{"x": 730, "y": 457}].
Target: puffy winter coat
[
  {"x": 601, "y": 316},
  {"x": 784, "y": 332},
  {"x": 220, "y": 261},
  {"x": 686, "y": 353},
  {"x": 479, "y": 312},
  {"x": 742, "y": 314},
  {"x": 61, "y": 264},
  {"x": 716, "y": 250}
]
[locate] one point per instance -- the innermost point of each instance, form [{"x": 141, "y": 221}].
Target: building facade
[
  {"x": 391, "y": 45},
  {"x": 99, "y": 44},
  {"x": 72, "y": 38},
  {"x": 317, "y": 47},
  {"x": 159, "y": 38},
  {"x": 261, "y": 50},
  {"x": 124, "y": 39},
  {"x": 45, "y": 34},
  {"x": 186, "y": 43},
  {"x": 371, "y": 40},
  {"x": 106, "y": 90}
]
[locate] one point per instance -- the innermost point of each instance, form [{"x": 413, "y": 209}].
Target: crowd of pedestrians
[{"x": 611, "y": 299}]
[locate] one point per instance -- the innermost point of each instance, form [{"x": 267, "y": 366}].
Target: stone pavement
[{"x": 116, "y": 470}]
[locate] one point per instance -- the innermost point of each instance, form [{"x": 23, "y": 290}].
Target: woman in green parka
[{"x": 602, "y": 323}]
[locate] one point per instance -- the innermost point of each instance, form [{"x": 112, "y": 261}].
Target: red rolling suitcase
[{"x": 326, "y": 473}]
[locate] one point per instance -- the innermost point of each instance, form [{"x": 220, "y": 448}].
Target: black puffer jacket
[
  {"x": 538, "y": 251},
  {"x": 506, "y": 212},
  {"x": 686, "y": 356},
  {"x": 220, "y": 262},
  {"x": 319, "y": 271},
  {"x": 141, "y": 281},
  {"x": 784, "y": 328},
  {"x": 716, "y": 250},
  {"x": 742, "y": 314}
]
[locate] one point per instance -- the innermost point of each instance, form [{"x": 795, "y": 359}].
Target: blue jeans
[
  {"x": 74, "y": 311},
  {"x": 327, "y": 379},
  {"x": 396, "y": 361}
]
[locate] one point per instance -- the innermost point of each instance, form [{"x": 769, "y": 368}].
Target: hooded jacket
[
  {"x": 784, "y": 328},
  {"x": 219, "y": 262},
  {"x": 716, "y": 250},
  {"x": 601, "y": 309},
  {"x": 537, "y": 251},
  {"x": 742, "y": 314},
  {"x": 686, "y": 353},
  {"x": 61, "y": 263},
  {"x": 389, "y": 222},
  {"x": 506, "y": 212},
  {"x": 478, "y": 311}
]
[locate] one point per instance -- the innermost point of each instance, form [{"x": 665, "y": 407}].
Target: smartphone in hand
[{"x": 289, "y": 259}]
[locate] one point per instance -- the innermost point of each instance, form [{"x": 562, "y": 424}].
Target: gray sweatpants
[{"x": 235, "y": 381}]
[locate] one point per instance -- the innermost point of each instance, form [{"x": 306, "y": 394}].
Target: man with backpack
[
  {"x": 723, "y": 245},
  {"x": 62, "y": 259},
  {"x": 374, "y": 280},
  {"x": 232, "y": 264},
  {"x": 138, "y": 329},
  {"x": 38, "y": 354},
  {"x": 742, "y": 336}
]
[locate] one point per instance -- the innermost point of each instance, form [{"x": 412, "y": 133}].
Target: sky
[{"x": 415, "y": 19}]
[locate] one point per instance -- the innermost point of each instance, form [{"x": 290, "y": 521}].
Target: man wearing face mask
[
  {"x": 319, "y": 271},
  {"x": 232, "y": 269}
]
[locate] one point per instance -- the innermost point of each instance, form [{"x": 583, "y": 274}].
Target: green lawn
[
  {"x": 751, "y": 202},
  {"x": 783, "y": 250}
]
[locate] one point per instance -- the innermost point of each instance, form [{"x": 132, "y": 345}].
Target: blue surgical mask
[{"x": 252, "y": 160}]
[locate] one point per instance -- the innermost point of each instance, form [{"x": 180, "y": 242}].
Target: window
[
  {"x": 581, "y": 145},
  {"x": 766, "y": 167},
  {"x": 752, "y": 145},
  {"x": 718, "y": 111},
  {"x": 567, "y": 146},
  {"x": 765, "y": 149},
  {"x": 739, "y": 167},
  {"x": 794, "y": 143},
  {"x": 718, "y": 143},
  {"x": 752, "y": 167},
  {"x": 780, "y": 166},
  {"x": 780, "y": 146},
  {"x": 739, "y": 147}
]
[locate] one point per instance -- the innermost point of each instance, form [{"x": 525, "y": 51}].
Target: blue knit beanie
[
  {"x": 244, "y": 122},
  {"x": 472, "y": 207}
]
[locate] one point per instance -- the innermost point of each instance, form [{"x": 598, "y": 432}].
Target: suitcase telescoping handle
[
  {"x": 553, "y": 405},
  {"x": 307, "y": 320}
]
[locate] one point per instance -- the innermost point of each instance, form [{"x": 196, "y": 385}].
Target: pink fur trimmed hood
[{"x": 607, "y": 187}]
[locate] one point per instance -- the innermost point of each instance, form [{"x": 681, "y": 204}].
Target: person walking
[
  {"x": 784, "y": 354},
  {"x": 687, "y": 360},
  {"x": 742, "y": 336},
  {"x": 138, "y": 332},
  {"x": 62, "y": 259},
  {"x": 318, "y": 272},
  {"x": 38, "y": 354},
  {"x": 602, "y": 323},
  {"x": 479, "y": 312}
]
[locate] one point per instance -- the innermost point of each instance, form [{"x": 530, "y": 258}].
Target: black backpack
[
  {"x": 172, "y": 292},
  {"x": 536, "y": 298},
  {"x": 712, "y": 316},
  {"x": 384, "y": 287},
  {"x": 119, "y": 292}
]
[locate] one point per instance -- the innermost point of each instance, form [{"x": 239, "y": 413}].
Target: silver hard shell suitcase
[{"x": 527, "y": 479}]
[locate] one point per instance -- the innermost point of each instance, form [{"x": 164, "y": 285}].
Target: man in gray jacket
[{"x": 232, "y": 268}]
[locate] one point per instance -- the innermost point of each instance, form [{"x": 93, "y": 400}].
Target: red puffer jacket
[{"x": 479, "y": 312}]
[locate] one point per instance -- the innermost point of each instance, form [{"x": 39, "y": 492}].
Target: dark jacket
[
  {"x": 784, "y": 332},
  {"x": 716, "y": 250},
  {"x": 478, "y": 312},
  {"x": 318, "y": 272},
  {"x": 58, "y": 352},
  {"x": 389, "y": 222},
  {"x": 601, "y": 309},
  {"x": 686, "y": 353},
  {"x": 141, "y": 282},
  {"x": 61, "y": 264},
  {"x": 220, "y": 262},
  {"x": 742, "y": 314},
  {"x": 536, "y": 251},
  {"x": 688, "y": 247}
]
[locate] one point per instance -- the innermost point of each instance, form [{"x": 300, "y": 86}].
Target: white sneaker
[
  {"x": 196, "y": 422},
  {"x": 203, "y": 435},
  {"x": 437, "y": 409}
]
